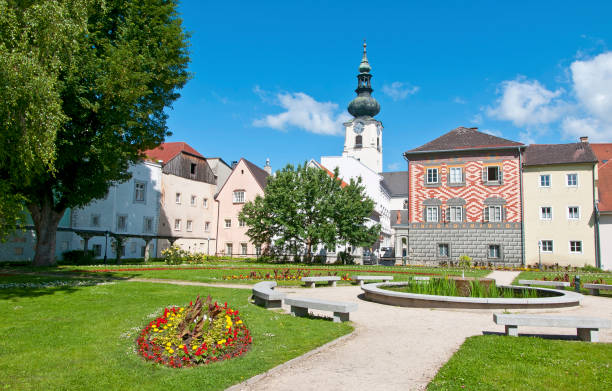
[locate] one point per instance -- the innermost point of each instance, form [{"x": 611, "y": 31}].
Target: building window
[
  {"x": 258, "y": 250},
  {"x": 494, "y": 251},
  {"x": 546, "y": 246},
  {"x": 177, "y": 224},
  {"x": 572, "y": 180},
  {"x": 193, "y": 200},
  {"x": 455, "y": 213},
  {"x": 575, "y": 246},
  {"x": 545, "y": 180},
  {"x": 121, "y": 223},
  {"x": 189, "y": 226},
  {"x": 545, "y": 213},
  {"x": 432, "y": 176},
  {"x": 228, "y": 223},
  {"x": 139, "y": 191},
  {"x": 192, "y": 169},
  {"x": 228, "y": 249},
  {"x": 205, "y": 202},
  {"x": 573, "y": 212},
  {"x": 97, "y": 250},
  {"x": 431, "y": 213},
  {"x": 358, "y": 141},
  {"x": 178, "y": 198},
  {"x": 243, "y": 248},
  {"x": 148, "y": 225},
  {"x": 18, "y": 250},
  {"x": 443, "y": 250},
  {"x": 455, "y": 175},
  {"x": 241, "y": 223},
  {"x": 493, "y": 213},
  {"x": 239, "y": 197},
  {"x": 207, "y": 226},
  {"x": 492, "y": 175},
  {"x": 95, "y": 220}
]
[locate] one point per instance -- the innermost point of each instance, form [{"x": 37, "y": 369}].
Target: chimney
[
  {"x": 584, "y": 139},
  {"x": 234, "y": 164},
  {"x": 267, "y": 167}
]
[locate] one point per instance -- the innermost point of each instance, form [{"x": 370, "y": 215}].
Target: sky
[{"x": 273, "y": 79}]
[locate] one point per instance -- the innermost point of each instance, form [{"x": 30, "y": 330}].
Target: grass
[
  {"x": 585, "y": 278},
  {"x": 216, "y": 273},
  {"x": 492, "y": 362},
  {"x": 82, "y": 338}
]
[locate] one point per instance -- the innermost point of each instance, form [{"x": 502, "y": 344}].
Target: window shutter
[
  {"x": 448, "y": 214},
  {"x": 503, "y": 216},
  {"x": 484, "y": 175},
  {"x": 501, "y": 174},
  {"x": 485, "y": 214},
  {"x": 425, "y": 213}
]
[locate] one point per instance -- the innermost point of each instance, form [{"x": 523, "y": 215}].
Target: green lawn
[
  {"x": 82, "y": 338},
  {"x": 492, "y": 362}
]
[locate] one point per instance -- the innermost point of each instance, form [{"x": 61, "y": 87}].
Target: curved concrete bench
[
  {"x": 341, "y": 310},
  {"x": 556, "y": 284},
  {"x": 595, "y": 288},
  {"x": 373, "y": 292},
  {"x": 587, "y": 328},
  {"x": 264, "y": 295},
  {"x": 361, "y": 279},
  {"x": 310, "y": 281}
]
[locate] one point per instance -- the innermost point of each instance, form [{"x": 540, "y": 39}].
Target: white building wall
[
  {"x": 605, "y": 233},
  {"x": 370, "y": 151},
  {"x": 104, "y": 214}
]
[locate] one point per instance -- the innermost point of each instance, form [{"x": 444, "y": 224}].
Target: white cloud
[
  {"x": 526, "y": 102},
  {"x": 593, "y": 85},
  {"x": 398, "y": 90},
  {"x": 459, "y": 100},
  {"x": 304, "y": 112},
  {"x": 394, "y": 166},
  {"x": 477, "y": 119},
  {"x": 492, "y": 132}
]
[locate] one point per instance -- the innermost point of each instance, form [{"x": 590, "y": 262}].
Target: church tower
[{"x": 363, "y": 133}]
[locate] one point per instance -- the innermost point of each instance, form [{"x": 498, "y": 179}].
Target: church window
[{"x": 358, "y": 141}]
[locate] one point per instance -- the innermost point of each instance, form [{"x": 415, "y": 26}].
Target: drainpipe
[
  {"x": 522, "y": 207},
  {"x": 217, "y": 234},
  {"x": 407, "y": 211},
  {"x": 596, "y": 213}
]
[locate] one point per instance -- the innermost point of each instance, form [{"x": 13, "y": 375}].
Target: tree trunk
[{"x": 46, "y": 220}]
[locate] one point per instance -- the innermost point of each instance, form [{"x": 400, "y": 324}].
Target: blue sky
[{"x": 273, "y": 79}]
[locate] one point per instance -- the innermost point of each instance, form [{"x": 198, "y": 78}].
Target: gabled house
[
  {"x": 245, "y": 182},
  {"x": 603, "y": 152},
  {"x": 464, "y": 199},
  {"x": 186, "y": 209},
  {"x": 558, "y": 193}
]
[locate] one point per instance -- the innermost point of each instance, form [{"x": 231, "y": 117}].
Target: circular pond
[{"x": 546, "y": 298}]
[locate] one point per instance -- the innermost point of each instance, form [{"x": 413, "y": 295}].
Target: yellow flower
[
  {"x": 165, "y": 327},
  {"x": 194, "y": 348},
  {"x": 221, "y": 342},
  {"x": 169, "y": 344},
  {"x": 170, "y": 351},
  {"x": 239, "y": 322},
  {"x": 181, "y": 346}
]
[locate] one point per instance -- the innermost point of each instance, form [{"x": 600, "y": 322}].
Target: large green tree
[
  {"x": 305, "y": 207},
  {"x": 125, "y": 69}
]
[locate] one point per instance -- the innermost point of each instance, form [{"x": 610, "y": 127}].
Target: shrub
[
  {"x": 174, "y": 255},
  {"x": 78, "y": 257}
]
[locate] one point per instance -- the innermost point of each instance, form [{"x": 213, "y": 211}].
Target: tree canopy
[
  {"x": 122, "y": 68},
  {"x": 305, "y": 207}
]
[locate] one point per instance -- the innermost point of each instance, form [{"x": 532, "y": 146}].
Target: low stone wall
[{"x": 472, "y": 239}]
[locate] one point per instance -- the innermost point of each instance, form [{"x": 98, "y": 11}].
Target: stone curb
[{"x": 245, "y": 384}]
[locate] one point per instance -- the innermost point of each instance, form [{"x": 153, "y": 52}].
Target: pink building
[{"x": 244, "y": 183}]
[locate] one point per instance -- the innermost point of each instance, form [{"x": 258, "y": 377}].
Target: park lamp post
[{"x": 540, "y": 255}]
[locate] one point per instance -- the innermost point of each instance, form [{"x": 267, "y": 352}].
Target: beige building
[
  {"x": 187, "y": 215},
  {"x": 244, "y": 183},
  {"x": 558, "y": 191}
]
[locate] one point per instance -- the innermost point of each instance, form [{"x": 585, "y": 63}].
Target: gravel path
[
  {"x": 503, "y": 277},
  {"x": 397, "y": 348}
]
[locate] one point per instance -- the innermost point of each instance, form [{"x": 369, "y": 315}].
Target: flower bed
[
  {"x": 200, "y": 333},
  {"x": 281, "y": 275}
]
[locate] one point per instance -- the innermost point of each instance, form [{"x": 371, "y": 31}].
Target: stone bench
[
  {"x": 264, "y": 295},
  {"x": 595, "y": 288},
  {"x": 588, "y": 328},
  {"x": 361, "y": 279},
  {"x": 310, "y": 281},
  {"x": 341, "y": 310},
  {"x": 556, "y": 284}
]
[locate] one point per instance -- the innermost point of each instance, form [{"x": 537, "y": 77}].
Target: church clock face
[
  {"x": 358, "y": 127},
  {"x": 379, "y": 129}
]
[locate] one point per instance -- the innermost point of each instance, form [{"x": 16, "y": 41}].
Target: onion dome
[{"x": 364, "y": 105}]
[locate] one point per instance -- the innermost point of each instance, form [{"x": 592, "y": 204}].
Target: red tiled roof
[
  {"x": 602, "y": 151},
  {"x": 330, "y": 173},
  {"x": 604, "y": 187},
  {"x": 464, "y": 138},
  {"x": 166, "y": 151}
]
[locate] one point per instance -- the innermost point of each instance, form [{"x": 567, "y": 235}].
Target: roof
[
  {"x": 219, "y": 159},
  {"x": 602, "y": 151},
  {"x": 330, "y": 173},
  {"x": 396, "y": 182},
  {"x": 166, "y": 151},
  {"x": 464, "y": 139},
  {"x": 260, "y": 175},
  {"x": 540, "y": 154},
  {"x": 604, "y": 186}
]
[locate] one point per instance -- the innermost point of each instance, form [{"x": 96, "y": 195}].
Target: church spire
[{"x": 364, "y": 105}]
